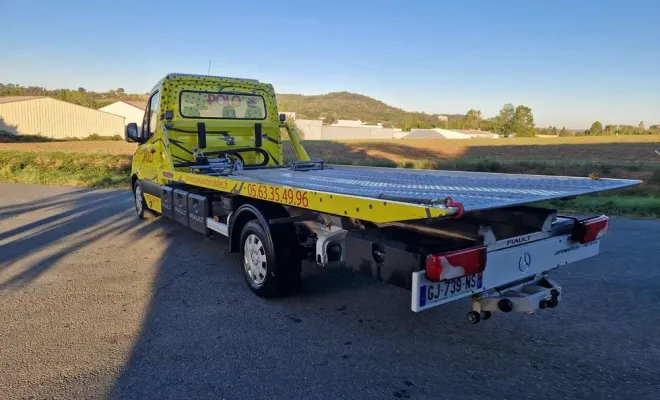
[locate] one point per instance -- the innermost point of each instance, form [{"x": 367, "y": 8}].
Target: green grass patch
[
  {"x": 609, "y": 204},
  {"x": 61, "y": 168},
  {"x": 100, "y": 170},
  {"x": 6, "y": 137},
  {"x": 95, "y": 138}
]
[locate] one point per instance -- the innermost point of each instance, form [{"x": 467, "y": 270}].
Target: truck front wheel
[
  {"x": 268, "y": 271},
  {"x": 141, "y": 209}
]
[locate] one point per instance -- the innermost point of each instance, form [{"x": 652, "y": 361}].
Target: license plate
[{"x": 430, "y": 293}]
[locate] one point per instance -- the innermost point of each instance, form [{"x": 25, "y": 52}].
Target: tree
[
  {"x": 564, "y": 132},
  {"x": 505, "y": 117},
  {"x": 522, "y": 123},
  {"x": 421, "y": 125},
  {"x": 627, "y": 130},
  {"x": 489, "y": 125},
  {"x": 329, "y": 119},
  {"x": 640, "y": 128},
  {"x": 82, "y": 90},
  {"x": 472, "y": 119},
  {"x": 596, "y": 128},
  {"x": 610, "y": 130}
]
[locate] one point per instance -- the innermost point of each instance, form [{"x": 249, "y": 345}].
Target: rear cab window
[{"x": 222, "y": 105}]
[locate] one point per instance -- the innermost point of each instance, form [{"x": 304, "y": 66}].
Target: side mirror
[
  {"x": 131, "y": 134},
  {"x": 282, "y": 117}
]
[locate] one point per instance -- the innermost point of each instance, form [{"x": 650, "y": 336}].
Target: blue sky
[{"x": 573, "y": 62}]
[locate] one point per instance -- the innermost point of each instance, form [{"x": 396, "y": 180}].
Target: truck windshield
[{"x": 223, "y": 105}]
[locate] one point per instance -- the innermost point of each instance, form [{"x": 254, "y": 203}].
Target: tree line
[
  {"x": 519, "y": 121},
  {"x": 510, "y": 121},
  {"x": 81, "y": 96}
]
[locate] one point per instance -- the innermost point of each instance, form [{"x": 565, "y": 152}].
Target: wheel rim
[
  {"x": 138, "y": 199},
  {"x": 254, "y": 259}
]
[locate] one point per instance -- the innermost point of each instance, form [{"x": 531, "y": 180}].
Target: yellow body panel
[
  {"x": 349, "y": 206},
  {"x": 153, "y": 202},
  {"x": 298, "y": 148}
]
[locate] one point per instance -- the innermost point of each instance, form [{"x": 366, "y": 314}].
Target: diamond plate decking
[{"x": 475, "y": 190}]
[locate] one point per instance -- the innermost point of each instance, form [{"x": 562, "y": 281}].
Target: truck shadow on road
[
  {"x": 205, "y": 335},
  {"x": 47, "y": 230},
  {"x": 201, "y": 333}
]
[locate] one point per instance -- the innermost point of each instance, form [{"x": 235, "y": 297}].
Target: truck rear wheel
[
  {"x": 141, "y": 209},
  {"x": 268, "y": 271}
]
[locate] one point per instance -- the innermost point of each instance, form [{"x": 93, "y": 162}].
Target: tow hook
[
  {"x": 552, "y": 302},
  {"x": 474, "y": 317},
  {"x": 541, "y": 293}
]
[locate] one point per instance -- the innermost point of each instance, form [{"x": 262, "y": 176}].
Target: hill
[
  {"x": 330, "y": 106},
  {"x": 347, "y": 105}
]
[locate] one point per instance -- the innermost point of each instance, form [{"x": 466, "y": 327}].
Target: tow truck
[{"x": 210, "y": 157}]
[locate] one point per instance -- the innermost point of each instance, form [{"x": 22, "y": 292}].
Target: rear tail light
[
  {"x": 455, "y": 264},
  {"x": 590, "y": 229}
]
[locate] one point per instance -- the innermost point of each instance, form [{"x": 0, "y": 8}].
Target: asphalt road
[{"x": 95, "y": 303}]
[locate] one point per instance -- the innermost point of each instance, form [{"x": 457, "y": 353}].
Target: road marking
[{"x": 657, "y": 152}]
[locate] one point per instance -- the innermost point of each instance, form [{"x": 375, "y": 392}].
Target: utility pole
[{"x": 209, "y": 71}]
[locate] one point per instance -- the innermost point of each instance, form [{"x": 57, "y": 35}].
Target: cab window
[
  {"x": 222, "y": 105},
  {"x": 151, "y": 116}
]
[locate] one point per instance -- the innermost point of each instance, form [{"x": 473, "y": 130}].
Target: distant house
[
  {"x": 132, "y": 111},
  {"x": 41, "y": 115},
  {"x": 443, "y": 118},
  {"x": 315, "y": 130}
]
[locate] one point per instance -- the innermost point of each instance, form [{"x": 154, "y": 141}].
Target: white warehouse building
[
  {"x": 48, "y": 117},
  {"x": 132, "y": 111}
]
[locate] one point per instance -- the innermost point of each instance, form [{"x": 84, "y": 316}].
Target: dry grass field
[
  {"x": 601, "y": 149},
  {"x": 105, "y": 147},
  {"x": 598, "y": 149},
  {"x": 612, "y": 157}
]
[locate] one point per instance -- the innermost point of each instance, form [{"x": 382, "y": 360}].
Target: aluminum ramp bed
[{"x": 474, "y": 190}]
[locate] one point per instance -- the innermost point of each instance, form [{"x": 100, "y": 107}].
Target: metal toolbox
[
  {"x": 198, "y": 211},
  {"x": 166, "y": 203},
  {"x": 180, "y": 201}
]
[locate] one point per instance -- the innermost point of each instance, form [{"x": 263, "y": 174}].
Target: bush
[
  {"x": 94, "y": 137},
  {"x": 6, "y": 137}
]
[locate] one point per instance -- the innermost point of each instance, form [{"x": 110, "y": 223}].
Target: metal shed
[{"x": 39, "y": 115}]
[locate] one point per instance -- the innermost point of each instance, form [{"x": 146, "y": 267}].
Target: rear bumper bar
[{"x": 510, "y": 265}]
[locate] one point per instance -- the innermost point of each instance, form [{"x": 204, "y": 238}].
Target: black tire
[
  {"x": 141, "y": 208},
  {"x": 271, "y": 267}
]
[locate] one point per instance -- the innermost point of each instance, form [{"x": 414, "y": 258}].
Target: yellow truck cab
[
  {"x": 239, "y": 115},
  {"x": 209, "y": 156}
]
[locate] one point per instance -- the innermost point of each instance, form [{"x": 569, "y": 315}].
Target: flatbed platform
[{"x": 474, "y": 190}]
